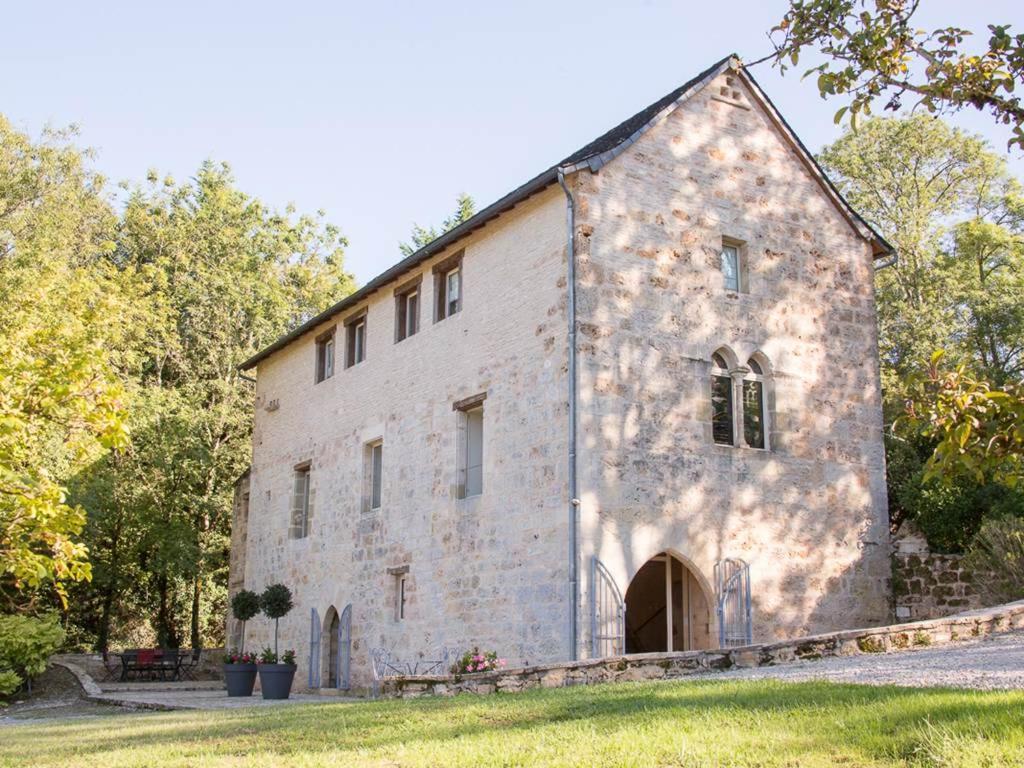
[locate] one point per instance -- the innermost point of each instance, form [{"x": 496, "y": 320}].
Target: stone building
[{"x": 631, "y": 406}]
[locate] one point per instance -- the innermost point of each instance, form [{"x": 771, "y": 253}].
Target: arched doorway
[
  {"x": 332, "y": 649},
  {"x": 667, "y": 608}
]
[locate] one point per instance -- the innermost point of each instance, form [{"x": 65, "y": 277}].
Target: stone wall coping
[
  {"x": 84, "y": 678},
  {"x": 761, "y": 654}
]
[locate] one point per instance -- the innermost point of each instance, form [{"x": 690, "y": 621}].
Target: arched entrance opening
[
  {"x": 667, "y": 608},
  {"x": 330, "y": 648}
]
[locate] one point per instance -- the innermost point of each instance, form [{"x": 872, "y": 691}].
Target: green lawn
[{"x": 705, "y": 724}]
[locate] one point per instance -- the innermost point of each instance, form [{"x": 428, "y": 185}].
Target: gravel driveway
[{"x": 993, "y": 663}]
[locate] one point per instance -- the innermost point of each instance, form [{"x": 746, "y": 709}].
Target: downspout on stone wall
[{"x": 574, "y": 502}]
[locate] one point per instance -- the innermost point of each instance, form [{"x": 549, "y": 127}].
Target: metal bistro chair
[
  {"x": 187, "y": 664},
  {"x": 112, "y": 667},
  {"x": 167, "y": 663}
]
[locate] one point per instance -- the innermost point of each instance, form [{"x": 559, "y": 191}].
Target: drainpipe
[{"x": 574, "y": 502}]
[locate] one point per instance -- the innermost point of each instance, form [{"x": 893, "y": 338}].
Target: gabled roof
[{"x": 593, "y": 156}]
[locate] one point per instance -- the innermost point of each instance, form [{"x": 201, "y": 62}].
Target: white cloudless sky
[{"x": 380, "y": 113}]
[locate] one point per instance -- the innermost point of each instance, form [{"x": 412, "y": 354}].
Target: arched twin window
[{"x": 739, "y": 407}]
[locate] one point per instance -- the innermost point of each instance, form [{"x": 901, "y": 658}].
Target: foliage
[
  {"x": 723, "y": 722},
  {"x": 276, "y": 601},
  {"x": 245, "y": 604},
  {"x": 239, "y": 657},
  {"x": 269, "y": 656},
  {"x": 26, "y": 644},
  {"x": 223, "y": 276},
  {"x": 477, "y": 661},
  {"x": 872, "y": 51},
  {"x": 9, "y": 682},
  {"x": 954, "y": 215},
  {"x": 996, "y": 558},
  {"x": 63, "y": 316},
  {"x": 978, "y": 428},
  {"x": 421, "y": 236}
]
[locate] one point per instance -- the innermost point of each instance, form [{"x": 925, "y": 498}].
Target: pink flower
[{"x": 501, "y": 662}]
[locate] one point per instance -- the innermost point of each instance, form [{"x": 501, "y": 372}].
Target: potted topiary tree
[
  {"x": 276, "y": 672},
  {"x": 239, "y": 666}
]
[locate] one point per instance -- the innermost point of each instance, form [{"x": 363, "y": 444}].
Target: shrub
[
  {"x": 9, "y": 682},
  {"x": 275, "y": 602},
  {"x": 237, "y": 657},
  {"x": 244, "y": 605},
  {"x": 26, "y": 644},
  {"x": 996, "y": 557}
]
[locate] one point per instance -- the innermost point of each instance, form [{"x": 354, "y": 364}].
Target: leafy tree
[
  {"x": 996, "y": 558},
  {"x": 224, "y": 276},
  {"x": 953, "y": 214},
  {"x": 420, "y": 236},
  {"x": 63, "y": 316},
  {"x": 978, "y": 428},
  {"x": 873, "y": 51}
]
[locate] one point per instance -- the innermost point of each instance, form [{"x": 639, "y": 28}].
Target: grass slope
[{"x": 694, "y": 724}]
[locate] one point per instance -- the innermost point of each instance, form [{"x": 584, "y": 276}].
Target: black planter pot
[
  {"x": 276, "y": 680},
  {"x": 240, "y": 679}
]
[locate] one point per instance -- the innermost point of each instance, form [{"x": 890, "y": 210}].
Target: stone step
[{"x": 157, "y": 686}]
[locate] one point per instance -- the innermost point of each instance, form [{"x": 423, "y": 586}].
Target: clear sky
[{"x": 380, "y": 113}]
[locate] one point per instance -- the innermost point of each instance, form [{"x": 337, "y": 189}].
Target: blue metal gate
[
  {"x": 314, "y": 650},
  {"x": 732, "y": 584},
  {"x": 607, "y": 613},
  {"x": 345, "y": 648}
]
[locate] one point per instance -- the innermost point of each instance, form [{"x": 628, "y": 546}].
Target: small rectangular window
[
  {"x": 325, "y": 356},
  {"x": 400, "y": 598},
  {"x": 448, "y": 287},
  {"x": 301, "y": 506},
  {"x": 475, "y": 451},
  {"x": 407, "y": 310},
  {"x": 355, "y": 336},
  {"x": 753, "y": 413},
  {"x": 721, "y": 410},
  {"x": 731, "y": 267},
  {"x": 376, "y": 466}
]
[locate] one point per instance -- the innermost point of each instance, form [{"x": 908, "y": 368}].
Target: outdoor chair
[
  {"x": 144, "y": 661},
  {"x": 188, "y": 664},
  {"x": 167, "y": 663},
  {"x": 111, "y": 666}
]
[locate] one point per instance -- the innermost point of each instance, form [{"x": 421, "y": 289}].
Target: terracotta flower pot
[
  {"x": 240, "y": 679},
  {"x": 276, "y": 680}
]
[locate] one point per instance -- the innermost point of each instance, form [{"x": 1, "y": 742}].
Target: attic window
[{"x": 448, "y": 287}]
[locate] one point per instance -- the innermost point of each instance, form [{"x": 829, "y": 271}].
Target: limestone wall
[
  {"x": 926, "y": 585},
  {"x": 489, "y": 570},
  {"x": 809, "y": 514}
]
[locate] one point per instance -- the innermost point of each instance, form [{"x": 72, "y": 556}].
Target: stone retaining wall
[
  {"x": 926, "y": 585},
  {"x": 668, "y": 666}
]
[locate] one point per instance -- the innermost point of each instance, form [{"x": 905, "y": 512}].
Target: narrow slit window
[
  {"x": 301, "y": 509},
  {"x": 376, "y": 467},
  {"x": 475, "y": 452}
]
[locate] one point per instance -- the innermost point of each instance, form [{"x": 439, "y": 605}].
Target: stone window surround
[
  {"x": 351, "y": 323},
  {"x": 462, "y": 408},
  {"x": 322, "y": 371},
  {"x": 401, "y": 576},
  {"x": 301, "y": 533},
  {"x": 366, "y": 503},
  {"x": 441, "y": 271},
  {"x": 742, "y": 273},
  {"x": 402, "y": 292},
  {"x": 739, "y": 374}
]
